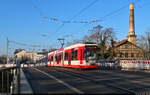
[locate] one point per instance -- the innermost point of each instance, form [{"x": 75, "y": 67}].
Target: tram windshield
[{"x": 90, "y": 54}]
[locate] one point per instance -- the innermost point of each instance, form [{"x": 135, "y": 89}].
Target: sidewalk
[{"x": 25, "y": 87}]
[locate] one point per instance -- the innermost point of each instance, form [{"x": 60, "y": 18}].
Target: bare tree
[
  {"x": 3, "y": 59},
  {"x": 98, "y": 35},
  {"x": 148, "y": 40},
  {"x": 95, "y": 35},
  {"x": 143, "y": 41},
  {"x": 102, "y": 37}
]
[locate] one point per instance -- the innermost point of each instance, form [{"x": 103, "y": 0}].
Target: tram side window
[
  {"x": 84, "y": 54},
  {"x": 75, "y": 55},
  {"x": 66, "y": 56},
  {"x": 72, "y": 55},
  {"x": 56, "y": 58},
  {"x": 60, "y": 57}
]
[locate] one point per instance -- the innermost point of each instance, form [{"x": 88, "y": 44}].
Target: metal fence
[
  {"x": 10, "y": 80},
  {"x": 109, "y": 64},
  {"x": 124, "y": 64},
  {"x": 135, "y": 64}
]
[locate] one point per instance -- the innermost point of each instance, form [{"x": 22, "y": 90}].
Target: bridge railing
[{"x": 10, "y": 80}]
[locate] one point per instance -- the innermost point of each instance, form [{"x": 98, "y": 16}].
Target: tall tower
[{"x": 131, "y": 35}]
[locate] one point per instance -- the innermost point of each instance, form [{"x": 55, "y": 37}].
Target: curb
[
  {"x": 25, "y": 87},
  {"x": 131, "y": 70},
  {"x": 146, "y": 71}
]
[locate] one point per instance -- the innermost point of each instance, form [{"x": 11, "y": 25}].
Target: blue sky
[{"x": 20, "y": 21}]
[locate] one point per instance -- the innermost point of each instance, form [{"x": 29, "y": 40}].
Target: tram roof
[
  {"x": 73, "y": 46},
  {"x": 79, "y": 45}
]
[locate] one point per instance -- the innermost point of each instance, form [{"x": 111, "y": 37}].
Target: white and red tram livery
[{"x": 80, "y": 55}]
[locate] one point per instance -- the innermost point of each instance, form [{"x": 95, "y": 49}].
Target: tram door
[
  {"x": 69, "y": 58},
  {"x": 81, "y": 56},
  {"x": 49, "y": 60}
]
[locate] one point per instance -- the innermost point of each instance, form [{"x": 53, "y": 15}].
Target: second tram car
[{"x": 82, "y": 56}]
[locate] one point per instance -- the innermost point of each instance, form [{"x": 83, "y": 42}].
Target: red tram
[{"x": 82, "y": 56}]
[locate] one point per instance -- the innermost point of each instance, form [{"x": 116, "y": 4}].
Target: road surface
[{"x": 56, "y": 80}]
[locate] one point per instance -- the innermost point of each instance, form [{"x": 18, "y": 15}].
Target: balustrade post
[
  {"x": 8, "y": 81},
  {"x": 2, "y": 81}
]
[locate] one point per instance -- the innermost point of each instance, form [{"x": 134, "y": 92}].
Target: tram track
[
  {"x": 87, "y": 77},
  {"x": 102, "y": 73},
  {"x": 116, "y": 81},
  {"x": 132, "y": 80}
]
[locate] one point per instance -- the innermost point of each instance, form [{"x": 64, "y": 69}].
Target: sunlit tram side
[{"x": 82, "y": 56}]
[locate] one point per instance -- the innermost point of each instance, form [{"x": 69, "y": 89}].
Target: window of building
[
  {"x": 126, "y": 55},
  {"x": 121, "y": 54},
  {"x": 137, "y": 54},
  {"x": 132, "y": 54},
  {"x": 115, "y": 55},
  {"x": 126, "y": 46}
]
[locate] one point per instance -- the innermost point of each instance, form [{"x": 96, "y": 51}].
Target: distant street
[{"x": 56, "y": 80}]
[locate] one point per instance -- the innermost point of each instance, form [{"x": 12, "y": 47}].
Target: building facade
[
  {"x": 23, "y": 55},
  {"x": 127, "y": 50}
]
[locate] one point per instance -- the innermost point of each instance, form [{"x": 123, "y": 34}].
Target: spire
[{"x": 131, "y": 34}]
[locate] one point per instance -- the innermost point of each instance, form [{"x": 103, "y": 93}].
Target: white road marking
[{"x": 60, "y": 81}]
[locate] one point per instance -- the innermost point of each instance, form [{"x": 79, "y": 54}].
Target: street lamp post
[{"x": 7, "y": 49}]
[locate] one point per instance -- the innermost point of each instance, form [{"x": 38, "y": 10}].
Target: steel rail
[{"x": 86, "y": 77}]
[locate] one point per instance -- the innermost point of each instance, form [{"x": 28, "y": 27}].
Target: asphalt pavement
[{"x": 56, "y": 80}]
